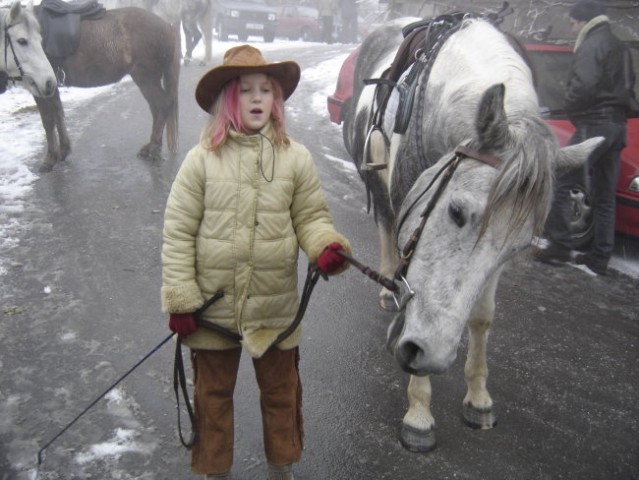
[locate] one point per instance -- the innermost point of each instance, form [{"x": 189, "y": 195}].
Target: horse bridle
[
  {"x": 8, "y": 43},
  {"x": 402, "y": 291}
]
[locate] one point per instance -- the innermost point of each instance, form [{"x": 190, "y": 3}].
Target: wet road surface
[{"x": 81, "y": 305}]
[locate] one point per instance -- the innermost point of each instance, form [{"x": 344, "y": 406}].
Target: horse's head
[
  {"x": 21, "y": 53},
  {"x": 488, "y": 211}
]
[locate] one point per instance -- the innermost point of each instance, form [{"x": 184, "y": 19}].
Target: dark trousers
[
  {"x": 603, "y": 166},
  {"x": 327, "y": 29},
  {"x": 215, "y": 374}
]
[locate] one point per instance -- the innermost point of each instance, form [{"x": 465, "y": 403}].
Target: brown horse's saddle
[{"x": 60, "y": 23}]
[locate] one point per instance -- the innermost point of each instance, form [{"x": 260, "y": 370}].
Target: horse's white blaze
[{"x": 22, "y": 29}]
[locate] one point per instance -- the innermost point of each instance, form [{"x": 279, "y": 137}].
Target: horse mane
[{"x": 523, "y": 187}]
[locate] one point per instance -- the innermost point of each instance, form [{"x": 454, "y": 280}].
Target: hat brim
[{"x": 211, "y": 84}]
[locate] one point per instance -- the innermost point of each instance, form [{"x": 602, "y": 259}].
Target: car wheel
[
  {"x": 222, "y": 34},
  {"x": 242, "y": 37},
  {"x": 305, "y": 34},
  {"x": 269, "y": 37},
  {"x": 581, "y": 219}
]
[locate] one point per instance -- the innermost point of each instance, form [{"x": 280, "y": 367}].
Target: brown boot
[{"x": 284, "y": 472}]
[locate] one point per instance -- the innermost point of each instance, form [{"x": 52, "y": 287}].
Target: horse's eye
[
  {"x": 23, "y": 42},
  {"x": 457, "y": 214}
]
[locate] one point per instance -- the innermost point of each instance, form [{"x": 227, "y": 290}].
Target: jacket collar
[
  {"x": 588, "y": 27},
  {"x": 244, "y": 139}
]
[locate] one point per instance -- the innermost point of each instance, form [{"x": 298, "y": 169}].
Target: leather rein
[{"x": 179, "y": 376}]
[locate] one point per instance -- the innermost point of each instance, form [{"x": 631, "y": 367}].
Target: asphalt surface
[{"x": 81, "y": 306}]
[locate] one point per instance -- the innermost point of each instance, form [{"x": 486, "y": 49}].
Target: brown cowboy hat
[{"x": 244, "y": 60}]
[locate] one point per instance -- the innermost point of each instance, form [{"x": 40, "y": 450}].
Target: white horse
[
  {"x": 468, "y": 184},
  {"x": 22, "y": 59}
]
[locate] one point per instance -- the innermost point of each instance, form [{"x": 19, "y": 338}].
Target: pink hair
[{"x": 225, "y": 115}]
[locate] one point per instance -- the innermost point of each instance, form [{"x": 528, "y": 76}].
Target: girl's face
[{"x": 256, "y": 101}]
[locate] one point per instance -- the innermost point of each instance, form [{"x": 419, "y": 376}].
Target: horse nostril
[{"x": 409, "y": 352}]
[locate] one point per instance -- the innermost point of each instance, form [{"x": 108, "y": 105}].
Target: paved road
[{"x": 81, "y": 305}]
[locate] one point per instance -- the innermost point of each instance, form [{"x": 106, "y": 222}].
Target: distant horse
[
  {"x": 124, "y": 41},
  {"x": 197, "y": 23},
  {"x": 194, "y": 15},
  {"x": 22, "y": 59},
  {"x": 468, "y": 183}
]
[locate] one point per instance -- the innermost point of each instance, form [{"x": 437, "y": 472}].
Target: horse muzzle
[{"x": 412, "y": 355}]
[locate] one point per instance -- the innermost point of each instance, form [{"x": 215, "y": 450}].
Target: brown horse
[{"x": 123, "y": 41}]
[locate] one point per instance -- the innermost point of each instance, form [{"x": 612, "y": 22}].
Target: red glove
[
  {"x": 182, "y": 323},
  {"x": 329, "y": 260}
]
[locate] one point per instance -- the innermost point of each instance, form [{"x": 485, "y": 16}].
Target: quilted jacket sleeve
[
  {"x": 311, "y": 219},
  {"x": 182, "y": 217}
]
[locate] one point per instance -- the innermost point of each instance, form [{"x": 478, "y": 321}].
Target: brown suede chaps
[{"x": 215, "y": 375}]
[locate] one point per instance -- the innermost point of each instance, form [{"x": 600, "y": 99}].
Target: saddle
[
  {"x": 415, "y": 56},
  {"x": 60, "y": 24},
  {"x": 422, "y": 41}
]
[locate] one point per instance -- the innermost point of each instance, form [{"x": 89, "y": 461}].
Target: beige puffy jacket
[{"x": 235, "y": 222}]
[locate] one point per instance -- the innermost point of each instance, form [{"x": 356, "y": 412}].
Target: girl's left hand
[{"x": 329, "y": 260}]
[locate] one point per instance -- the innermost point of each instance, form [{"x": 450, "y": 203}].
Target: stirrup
[{"x": 367, "y": 165}]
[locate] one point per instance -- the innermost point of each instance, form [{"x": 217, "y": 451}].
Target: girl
[{"x": 243, "y": 203}]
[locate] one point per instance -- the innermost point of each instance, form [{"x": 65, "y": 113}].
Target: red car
[
  {"x": 298, "y": 22},
  {"x": 551, "y": 62}
]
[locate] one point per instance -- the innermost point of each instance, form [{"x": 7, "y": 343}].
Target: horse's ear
[
  {"x": 574, "y": 156},
  {"x": 492, "y": 124},
  {"x": 15, "y": 11}
]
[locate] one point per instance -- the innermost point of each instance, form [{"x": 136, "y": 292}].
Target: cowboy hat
[{"x": 244, "y": 60}]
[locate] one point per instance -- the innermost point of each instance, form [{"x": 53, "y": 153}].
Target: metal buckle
[{"x": 405, "y": 294}]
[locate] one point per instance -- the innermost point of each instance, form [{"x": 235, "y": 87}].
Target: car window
[
  {"x": 551, "y": 70},
  {"x": 308, "y": 12}
]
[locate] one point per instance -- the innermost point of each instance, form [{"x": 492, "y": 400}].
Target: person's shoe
[
  {"x": 600, "y": 268},
  {"x": 217, "y": 476},
  {"x": 284, "y": 472},
  {"x": 551, "y": 253}
]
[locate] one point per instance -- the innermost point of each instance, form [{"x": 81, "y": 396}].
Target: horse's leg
[
  {"x": 418, "y": 426},
  {"x": 153, "y": 93},
  {"x": 206, "y": 27},
  {"x": 387, "y": 263},
  {"x": 55, "y": 129},
  {"x": 188, "y": 40},
  {"x": 387, "y": 242},
  {"x": 478, "y": 405},
  {"x": 160, "y": 105}
]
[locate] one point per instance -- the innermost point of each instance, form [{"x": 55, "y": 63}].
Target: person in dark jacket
[{"x": 596, "y": 101}]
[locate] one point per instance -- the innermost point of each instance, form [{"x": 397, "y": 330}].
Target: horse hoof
[
  {"x": 387, "y": 303},
  {"x": 150, "y": 153},
  {"x": 480, "y": 418},
  {"x": 45, "y": 168},
  {"x": 415, "y": 440}
]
